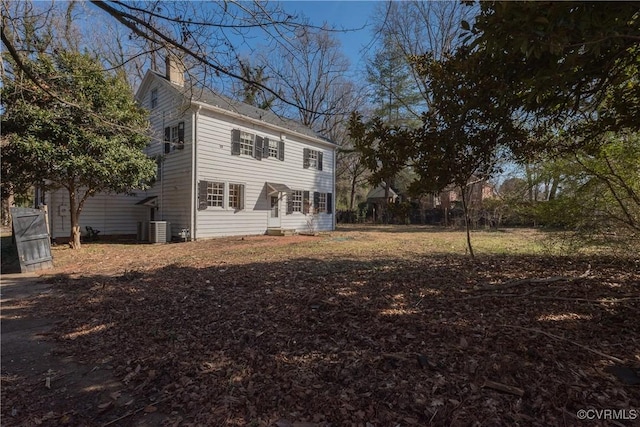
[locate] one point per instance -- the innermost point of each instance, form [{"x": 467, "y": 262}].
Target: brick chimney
[{"x": 174, "y": 70}]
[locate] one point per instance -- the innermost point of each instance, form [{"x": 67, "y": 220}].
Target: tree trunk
[
  {"x": 74, "y": 238},
  {"x": 554, "y": 188},
  {"x": 7, "y": 203},
  {"x": 529, "y": 175},
  {"x": 465, "y": 209},
  {"x": 385, "y": 213},
  {"x": 353, "y": 192}
]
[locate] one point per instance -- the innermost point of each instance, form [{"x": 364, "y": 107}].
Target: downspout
[
  {"x": 335, "y": 195},
  {"x": 194, "y": 173},
  {"x": 162, "y": 153}
]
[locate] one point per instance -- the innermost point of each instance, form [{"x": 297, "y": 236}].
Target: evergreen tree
[
  {"x": 394, "y": 95},
  {"x": 73, "y": 126}
]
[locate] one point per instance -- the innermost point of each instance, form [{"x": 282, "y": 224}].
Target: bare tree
[
  {"x": 309, "y": 70},
  {"x": 418, "y": 27},
  {"x": 210, "y": 34},
  {"x": 351, "y": 172}
]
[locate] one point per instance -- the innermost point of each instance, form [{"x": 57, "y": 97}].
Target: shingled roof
[{"x": 207, "y": 96}]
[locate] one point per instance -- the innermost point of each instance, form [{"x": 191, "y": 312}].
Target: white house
[{"x": 224, "y": 168}]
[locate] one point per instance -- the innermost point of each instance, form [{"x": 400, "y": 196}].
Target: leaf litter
[{"x": 301, "y": 331}]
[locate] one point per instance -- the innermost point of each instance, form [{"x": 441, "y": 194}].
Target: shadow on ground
[{"x": 384, "y": 341}]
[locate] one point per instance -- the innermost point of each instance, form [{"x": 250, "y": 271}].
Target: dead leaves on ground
[{"x": 362, "y": 342}]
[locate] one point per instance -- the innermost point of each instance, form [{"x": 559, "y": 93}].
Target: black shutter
[
  {"x": 241, "y": 197},
  {"x": 258, "y": 147},
  {"x": 281, "y": 150},
  {"x": 167, "y": 139},
  {"x": 290, "y": 203},
  {"x": 319, "y": 161},
  {"x": 305, "y": 158},
  {"x": 316, "y": 201},
  {"x": 202, "y": 195},
  {"x": 329, "y": 203},
  {"x": 305, "y": 202},
  {"x": 265, "y": 149},
  {"x": 235, "y": 142}
]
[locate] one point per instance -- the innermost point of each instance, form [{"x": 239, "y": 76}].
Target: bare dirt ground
[{"x": 362, "y": 327}]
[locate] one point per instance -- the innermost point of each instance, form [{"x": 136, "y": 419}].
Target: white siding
[
  {"x": 174, "y": 187},
  {"x": 112, "y": 214},
  {"x": 176, "y": 190},
  {"x": 215, "y": 163}
]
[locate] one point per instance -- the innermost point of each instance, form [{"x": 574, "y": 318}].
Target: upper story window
[
  {"x": 174, "y": 137},
  {"x": 273, "y": 148},
  {"x": 154, "y": 98},
  {"x": 248, "y": 144},
  {"x": 312, "y": 159},
  {"x": 245, "y": 143}
]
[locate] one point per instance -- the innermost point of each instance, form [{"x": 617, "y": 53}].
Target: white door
[{"x": 274, "y": 212}]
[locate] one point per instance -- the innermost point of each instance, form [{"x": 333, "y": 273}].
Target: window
[
  {"x": 256, "y": 146},
  {"x": 236, "y": 196},
  {"x": 273, "y": 148},
  {"x": 312, "y": 159},
  {"x": 246, "y": 143},
  {"x": 154, "y": 98},
  {"x": 321, "y": 206},
  {"x": 322, "y": 202},
  {"x": 215, "y": 194},
  {"x": 296, "y": 201},
  {"x": 174, "y": 137},
  {"x": 243, "y": 143}
]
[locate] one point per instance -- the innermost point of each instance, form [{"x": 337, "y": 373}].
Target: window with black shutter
[
  {"x": 174, "y": 137},
  {"x": 296, "y": 201},
  {"x": 312, "y": 159},
  {"x": 329, "y": 203}
]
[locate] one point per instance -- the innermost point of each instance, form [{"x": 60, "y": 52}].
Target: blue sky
[{"x": 342, "y": 15}]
